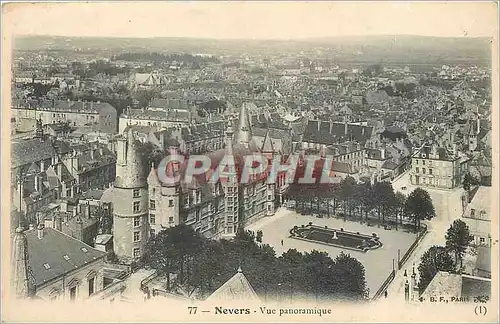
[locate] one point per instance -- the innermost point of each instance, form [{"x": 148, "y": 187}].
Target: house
[
  {"x": 437, "y": 168},
  {"x": 38, "y": 175},
  {"x": 79, "y": 113},
  {"x": 51, "y": 265},
  {"x": 477, "y": 216}
]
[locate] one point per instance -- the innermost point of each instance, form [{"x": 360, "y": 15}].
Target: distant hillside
[{"x": 402, "y": 49}]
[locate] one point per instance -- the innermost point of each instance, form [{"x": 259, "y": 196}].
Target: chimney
[
  {"x": 40, "y": 231},
  {"x": 37, "y": 183},
  {"x": 42, "y": 165},
  {"x": 101, "y": 151},
  {"x": 331, "y": 125},
  {"x": 319, "y": 125},
  {"x": 75, "y": 211},
  {"x": 382, "y": 153},
  {"x": 87, "y": 210},
  {"x": 345, "y": 126}
]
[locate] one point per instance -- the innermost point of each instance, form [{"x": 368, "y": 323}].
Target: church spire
[
  {"x": 244, "y": 134},
  {"x": 229, "y": 139},
  {"x": 22, "y": 285}
]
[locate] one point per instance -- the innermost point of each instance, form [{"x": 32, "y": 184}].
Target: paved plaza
[
  {"x": 377, "y": 263},
  {"x": 447, "y": 204}
]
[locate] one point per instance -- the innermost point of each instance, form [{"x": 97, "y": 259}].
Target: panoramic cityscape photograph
[{"x": 250, "y": 160}]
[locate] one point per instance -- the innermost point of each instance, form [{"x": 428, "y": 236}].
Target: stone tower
[
  {"x": 21, "y": 280},
  {"x": 268, "y": 150},
  {"x": 244, "y": 134},
  {"x": 229, "y": 181},
  {"x": 130, "y": 201},
  {"x": 164, "y": 196}
]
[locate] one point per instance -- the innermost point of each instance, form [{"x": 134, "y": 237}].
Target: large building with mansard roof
[{"x": 143, "y": 205}]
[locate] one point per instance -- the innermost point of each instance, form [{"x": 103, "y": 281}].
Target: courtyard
[{"x": 378, "y": 263}]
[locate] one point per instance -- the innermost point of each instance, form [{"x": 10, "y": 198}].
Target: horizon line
[{"x": 258, "y": 39}]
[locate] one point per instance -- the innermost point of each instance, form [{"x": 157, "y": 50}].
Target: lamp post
[
  {"x": 399, "y": 258},
  {"x": 407, "y": 291}
]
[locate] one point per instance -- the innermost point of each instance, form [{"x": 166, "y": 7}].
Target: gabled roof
[
  {"x": 236, "y": 288},
  {"x": 34, "y": 150},
  {"x": 51, "y": 249},
  {"x": 267, "y": 145}
]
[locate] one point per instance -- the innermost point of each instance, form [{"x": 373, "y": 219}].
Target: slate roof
[
  {"x": 173, "y": 115},
  {"x": 33, "y": 150},
  {"x": 455, "y": 285},
  {"x": 86, "y": 162},
  {"x": 378, "y": 96},
  {"x": 389, "y": 165},
  {"x": 51, "y": 250},
  {"x": 335, "y": 132},
  {"x": 475, "y": 286}
]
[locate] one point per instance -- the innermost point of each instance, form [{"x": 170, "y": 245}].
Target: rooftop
[
  {"x": 56, "y": 254},
  {"x": 236, "y": 288}
]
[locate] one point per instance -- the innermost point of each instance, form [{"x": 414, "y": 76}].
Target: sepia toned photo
[{"x": 250, "y": 161}]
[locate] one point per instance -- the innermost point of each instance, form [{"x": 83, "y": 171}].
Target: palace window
[
  {"x": 136, "y": 252},
  {"x": 152, "y": 204},
  {"x": 136, "y": 206},
  {"x": 136, "y": 193},
  {"x": 416, "y": 170},
  {"x": 170, "y": 219},
  {"x": 152, "y": 233},
  {"x": 137, "y": 221},
  {"x": 137, "y": 236},
  {"x": 170, "y": 203},
  {"x": 430, "y": 171},
  {"x": 152, "y": 219}
]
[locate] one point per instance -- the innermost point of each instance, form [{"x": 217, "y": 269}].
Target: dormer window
[
  {"x": 46, "y": 266},
  {"x": 84, "y": 249},
  {"x": 66, "y": 257}
]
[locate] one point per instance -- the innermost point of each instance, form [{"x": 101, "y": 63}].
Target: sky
[{"x": 252, "y": 20}]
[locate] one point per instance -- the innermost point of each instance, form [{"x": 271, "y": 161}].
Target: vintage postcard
[{"x": 249, "y": 162}]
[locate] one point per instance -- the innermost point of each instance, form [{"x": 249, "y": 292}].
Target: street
[{"x": 447, "y": 204}]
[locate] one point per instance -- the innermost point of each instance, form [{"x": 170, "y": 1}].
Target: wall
[
  {"x": 123, "y": 222},
  {"x": 59, "y": 287}
]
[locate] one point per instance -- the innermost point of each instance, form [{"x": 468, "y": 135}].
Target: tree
[
  {"x": 258, "y": 237},
  {"x": 457, "y": 239},
  {"x": 173, "y": 249},
  {"x": 400, "y": 202},
  {"x": 435, "y": 259},
  {"x": 469, "y": 181},
  {"x": 367, "y": 197},
  {"x": 349, "y": 277},
  {"x": 346, "y": 192},
  {"x": 419, "y": 206},
  {"x": 384, "y": 198}
]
